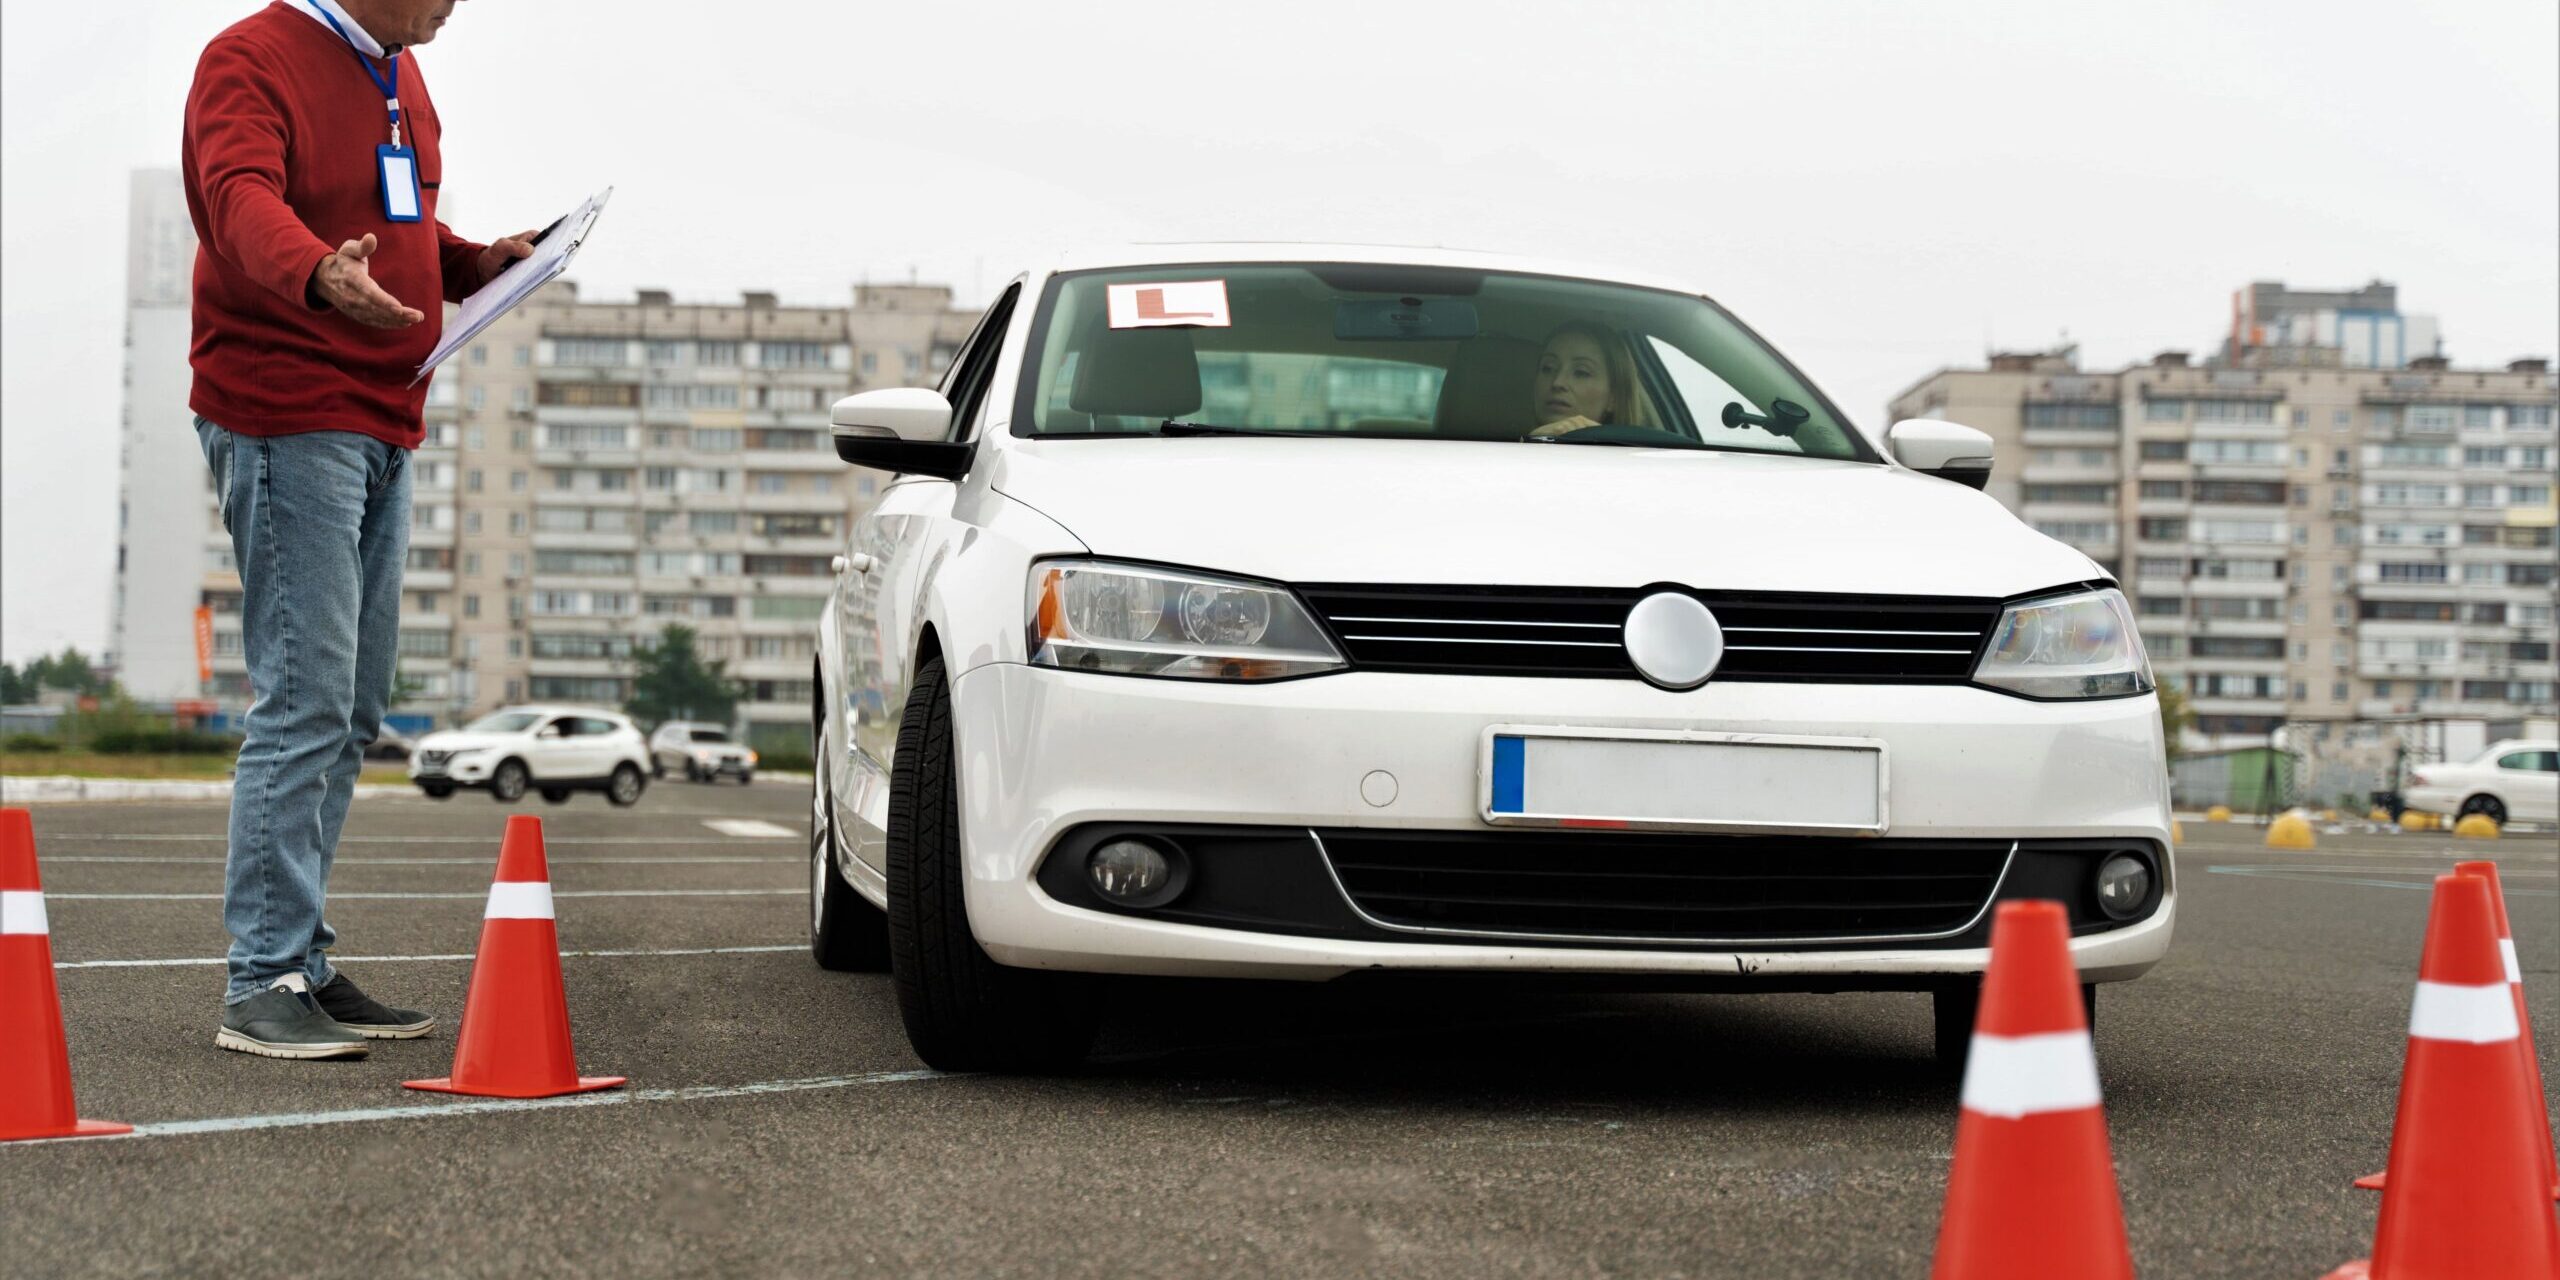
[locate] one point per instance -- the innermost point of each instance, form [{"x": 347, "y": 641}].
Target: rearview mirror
[
  {"x": 1947, "y": 450},
  {"x": 900, "y": 429}
]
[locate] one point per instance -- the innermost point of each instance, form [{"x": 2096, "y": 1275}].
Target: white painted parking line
[
  {"x": 750, "y": 828},
  {"x": 475, "y": 896},
  {"x": 491, "y": 860},
  {"x": 2316, "y": 875},
  {"x": 565, "y": 955},
  {"x": 484, "y": 1106}
]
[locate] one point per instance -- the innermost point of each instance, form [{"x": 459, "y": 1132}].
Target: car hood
[
  {"x": 1365, "y": 510},
  {"x": 456, "y": 740}
]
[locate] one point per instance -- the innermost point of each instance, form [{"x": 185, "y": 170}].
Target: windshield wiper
[{"x": 1175, "y": 427}]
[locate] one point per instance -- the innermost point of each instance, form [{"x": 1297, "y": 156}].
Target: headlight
[
  {"x": 1092, "y": 616},
  {"x": 2074, "y": 646}
]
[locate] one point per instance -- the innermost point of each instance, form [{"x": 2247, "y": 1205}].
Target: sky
[{"x": 1880, "y": 189}]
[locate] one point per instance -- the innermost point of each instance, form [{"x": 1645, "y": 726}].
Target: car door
[
  {"x": 892, "y": 553},
  {"x": 551, "y": 751},
  {"x": 2530, "y": 780},
  {"x": 599, "y": 746}
]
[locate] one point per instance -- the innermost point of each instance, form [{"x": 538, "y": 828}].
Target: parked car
[
  {"x": 389, "y": 744},
  {"x": 553, "y": 750},
  {"x": 2517, "y": 780},
  {"x": 701, "y": 752},
  {"x": 1293, "y": 612}
]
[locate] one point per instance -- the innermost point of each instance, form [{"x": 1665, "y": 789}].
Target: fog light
[
  {"x": 2124, "y": 884},
  {"x": 1133, "y": 873}
]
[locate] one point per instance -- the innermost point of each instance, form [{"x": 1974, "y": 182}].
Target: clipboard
[{"x": 553, "y": 247}]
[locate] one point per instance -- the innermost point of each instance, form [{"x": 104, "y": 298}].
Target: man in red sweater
[{"x": 312, "y": 167}]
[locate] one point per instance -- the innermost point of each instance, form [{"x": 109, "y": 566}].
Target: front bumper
[
  {"x": 1042, "y": 752},
  {"x": 465, "y": 771}
]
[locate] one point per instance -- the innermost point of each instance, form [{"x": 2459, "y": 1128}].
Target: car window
[
  {"x": 502, "y": 722},
  {"x": 709, "y": 735},
  {"x": 2531, "y": 761},
  {"x": 1430, "y": 353},
  {"x": 589, "y": 726},
  {"x": 975, "y": 367}
]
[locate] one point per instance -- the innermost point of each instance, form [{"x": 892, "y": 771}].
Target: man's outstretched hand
[
  {"x": 495, "y": 258},
  {"x": 343, "y": 283}
]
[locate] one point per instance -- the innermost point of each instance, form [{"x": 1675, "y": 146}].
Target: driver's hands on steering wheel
[{"x": 1562, "y": 426}]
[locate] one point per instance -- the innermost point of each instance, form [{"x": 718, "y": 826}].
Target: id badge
[{"x": 400, "y": 201}]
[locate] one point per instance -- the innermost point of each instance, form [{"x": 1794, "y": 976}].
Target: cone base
[
  {"x": 2352, "y": 1271},
  {"x": 585, "y": 1084},
  {"x": 2376, "y": 1181},
  {"x": 78, "y": 1129}
]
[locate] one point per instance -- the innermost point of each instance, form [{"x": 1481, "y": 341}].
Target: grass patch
[{"x": 202, "y": 768}]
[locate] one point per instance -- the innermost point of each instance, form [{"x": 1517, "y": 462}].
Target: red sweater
[{"x": 280, "y": 170}]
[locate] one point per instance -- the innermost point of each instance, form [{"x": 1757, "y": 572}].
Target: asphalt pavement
[{"x": 777, "y": 1123}]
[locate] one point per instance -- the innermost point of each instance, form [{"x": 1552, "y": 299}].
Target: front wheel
[
  {"x": 555, "y": 795},
  {"x": 2490, "y": 806},
  {"x": 963, "y": 1011},
  {"x": 747, "y": 779},
  {"x": 623, "y": 789},
  {"x": 437, "y": 790},
  {"x": 507, "y": 784}
]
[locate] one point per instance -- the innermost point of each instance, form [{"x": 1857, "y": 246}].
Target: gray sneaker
[
  {"x": 280, "y": 1022},
  {"x": 366, "y": 1016}
]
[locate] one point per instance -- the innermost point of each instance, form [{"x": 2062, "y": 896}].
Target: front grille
[
  {"x": 434, "y": 757},
  {"x": 1575, "y": 631},
  {"x": 1682, "y": 888}
]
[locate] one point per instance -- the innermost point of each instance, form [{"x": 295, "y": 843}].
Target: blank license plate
[{"x": 1673, "y": 781}]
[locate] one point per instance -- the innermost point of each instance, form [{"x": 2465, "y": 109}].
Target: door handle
[{"x": 859, "y": 562}]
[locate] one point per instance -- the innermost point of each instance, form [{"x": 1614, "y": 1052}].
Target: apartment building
[
  {"x": 594, "y": 471},
  {"x": 159, "y": 572},
  {"x": 2303, "y": 537}
]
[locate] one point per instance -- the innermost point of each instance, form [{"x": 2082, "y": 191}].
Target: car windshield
[
  {"x": 502, "y": 722},
  {"x": 709, "y": 735},
  {"x": 1430, "y": 353}
]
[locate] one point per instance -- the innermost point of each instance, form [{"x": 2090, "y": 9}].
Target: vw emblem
[{"x": 1674, "y": 641}]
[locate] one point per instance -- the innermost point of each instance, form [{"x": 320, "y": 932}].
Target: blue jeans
[{"x": 320, "y": 526}]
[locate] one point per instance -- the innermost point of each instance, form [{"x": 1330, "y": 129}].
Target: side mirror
[
  {"x": 1947, "y": 450},
  {"x": 899, "y": 429}
]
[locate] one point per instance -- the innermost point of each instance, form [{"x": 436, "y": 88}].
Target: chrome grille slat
[{"x": 1547, "y": 631}]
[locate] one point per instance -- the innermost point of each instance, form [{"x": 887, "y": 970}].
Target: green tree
[
  {"x": 2175, "y": 718},
  {"x": 672, "y": 682},
  {"x": 15, "y": 688},
  {"x": 69, "y": 669}
]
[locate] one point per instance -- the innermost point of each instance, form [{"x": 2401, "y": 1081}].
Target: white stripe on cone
[
  {"x": 519, "y": 900},
  {"x": 2015, "y": 1076},
  {"x": 2483, "y": 1014},
  {"x": 22, "y": 911},
  {"x": 2515, "y": 972}
]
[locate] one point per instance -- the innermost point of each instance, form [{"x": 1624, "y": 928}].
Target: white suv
[
  {"x": 1291, "y": 612},
  {"x": 701, "y": 752},
  {"x": 553, "y": 750}
]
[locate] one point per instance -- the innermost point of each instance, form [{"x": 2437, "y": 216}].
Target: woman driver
[{"x": 1585, "y": 378}]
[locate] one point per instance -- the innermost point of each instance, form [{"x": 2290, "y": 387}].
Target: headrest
[
  {"x": 1139, "y": 373},
  {"x": 1486, "y": 395}
]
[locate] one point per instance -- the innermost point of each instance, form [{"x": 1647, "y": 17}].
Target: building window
[
  {"x": 2430, "y": 417},
  {"x": 471, "y": 564},
  {"x": 2164, "y": 410},
  {"x": 471, "y": 606},
  {"x": 587, "y": 351},
  {"x": 721, "y": 354},
  {"x": 2301, "y": 418},
  {"x": 792, "y": 355}
]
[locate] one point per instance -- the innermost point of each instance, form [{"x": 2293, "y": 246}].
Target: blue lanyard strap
[{"x": 390, "y": 86}]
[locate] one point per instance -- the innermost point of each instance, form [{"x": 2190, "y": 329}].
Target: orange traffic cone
[
  {"x": 2524, "y": 1032},
  {"x": 2467, "y": 1196},
  {"x": 2033, "y": 1192},
  {"x": 35, "y": 1063},
  {"x": 515, "y": 1021}
]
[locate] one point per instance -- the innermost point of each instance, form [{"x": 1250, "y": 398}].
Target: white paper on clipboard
[{"x": 517, "y": 282}]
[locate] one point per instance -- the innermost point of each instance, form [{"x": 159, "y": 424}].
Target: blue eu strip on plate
[{"x": 1510, "y": 774}]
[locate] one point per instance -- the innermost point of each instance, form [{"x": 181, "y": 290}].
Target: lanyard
[{"x": 390, "y": 86}]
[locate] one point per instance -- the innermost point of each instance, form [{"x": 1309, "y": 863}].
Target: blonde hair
[{"x": 1626, "y": 405}]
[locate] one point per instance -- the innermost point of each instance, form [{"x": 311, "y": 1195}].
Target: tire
[
  {"x": 692, "y": 771},
  {"x": 2484, "y": 803},
  {"x": 1953, "y": 1010},
  {"x": 657, "y": 768},
  {"x": 507, "y": 782},
  {"x": 747, "y": 779},
  {"x": 625, "y": 786},
  {"x": 437, "y": 790},
  {"x": 962, "y": 1010},
  {"x": 846, "y": 933},
  {"x": 555, "y": 795}
]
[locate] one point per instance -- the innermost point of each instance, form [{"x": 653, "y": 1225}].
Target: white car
[
  {"x": 2517, "y": 780},
  {"x": 701, "y": 752},
  {"x": 1278, "y": 612},
  {"x": 552, "y": 750}
]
